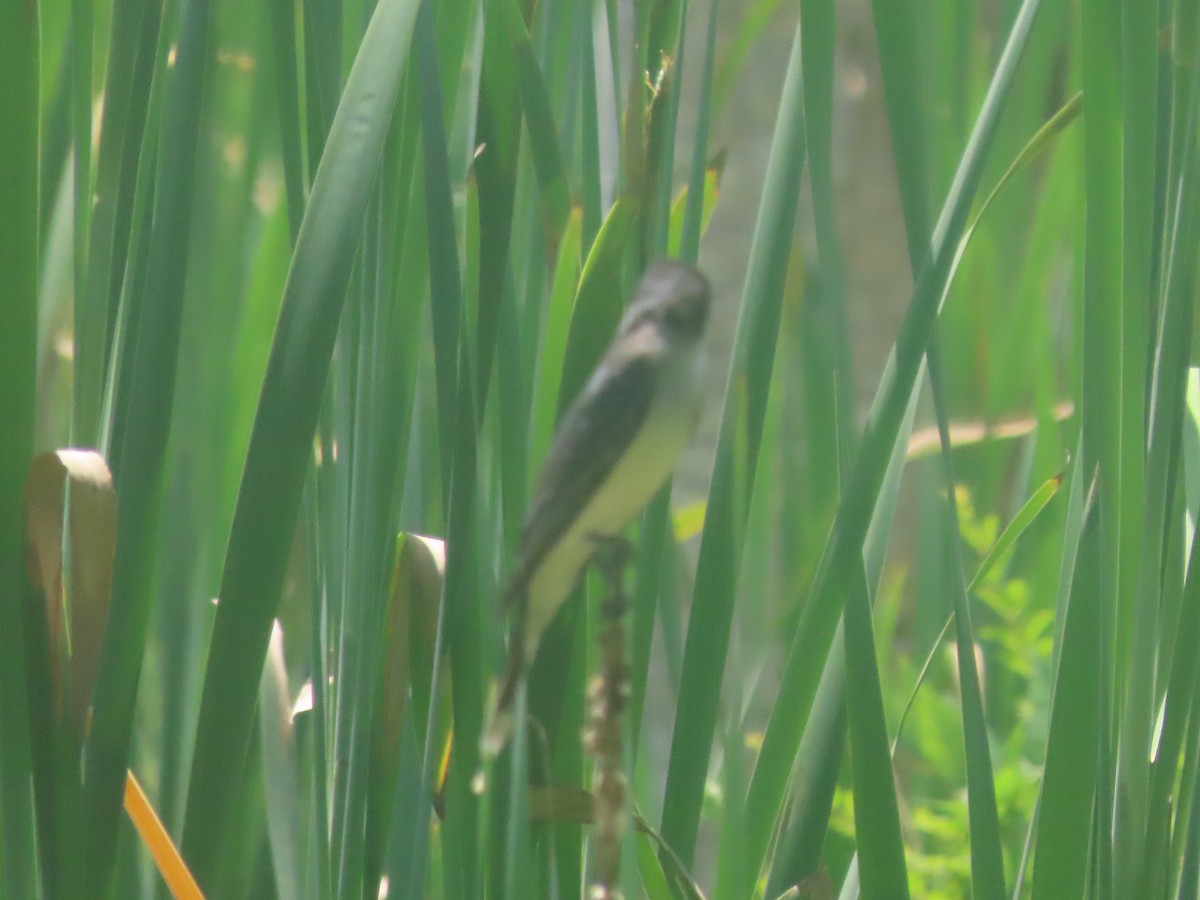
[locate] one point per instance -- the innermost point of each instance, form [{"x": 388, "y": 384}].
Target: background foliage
[{"x": 314, "y": 275}]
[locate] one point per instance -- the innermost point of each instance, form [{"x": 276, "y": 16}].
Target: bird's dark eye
[{"x": 687, "y": 314}]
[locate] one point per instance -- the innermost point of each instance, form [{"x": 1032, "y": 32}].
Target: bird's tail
[{"x": 500, "y": 723}]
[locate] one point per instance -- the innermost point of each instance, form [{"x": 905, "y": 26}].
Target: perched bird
[{"x": 613, "y": 450}]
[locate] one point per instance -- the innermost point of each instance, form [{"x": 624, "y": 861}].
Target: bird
[{"x": 616, "y": 445}]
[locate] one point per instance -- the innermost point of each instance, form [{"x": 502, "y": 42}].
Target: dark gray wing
[{"x": 593, "y": 435}]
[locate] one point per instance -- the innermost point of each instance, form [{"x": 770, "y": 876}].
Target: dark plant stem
[{"x": 608, "y": 695}]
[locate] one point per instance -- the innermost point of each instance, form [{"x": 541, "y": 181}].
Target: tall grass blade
[
  {"x": 741, "y": 420},
  {"x": 463, "y": 606},
  {"x": 1140, "y": 543},
  {"x": 146, "y": 369},
  {"x": 819, "y": 621},
  {"x": 1164, "y": 472},
  {"x": 1062, "y": 858},
  {"x": 881, "y": 866},
  {"x": 539, "y": 119},
  {"x": 987, "y": 861},
  {"x": 131, "y": 62},
  {"x": 281, "y": 442},
  {"x": 19, "y": 41},
  {"x": 818, "y": 38}
]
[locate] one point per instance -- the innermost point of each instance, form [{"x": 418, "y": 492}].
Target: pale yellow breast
[{"x": 634, "y": 480}]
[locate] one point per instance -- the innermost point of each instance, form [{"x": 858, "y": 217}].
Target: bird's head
[{"x": 673, "y": 296}]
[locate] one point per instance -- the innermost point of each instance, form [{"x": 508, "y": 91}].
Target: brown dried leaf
[{"x": 77, "y": 599}]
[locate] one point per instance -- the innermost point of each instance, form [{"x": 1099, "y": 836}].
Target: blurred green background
[{"x": 317, "y": 278}]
